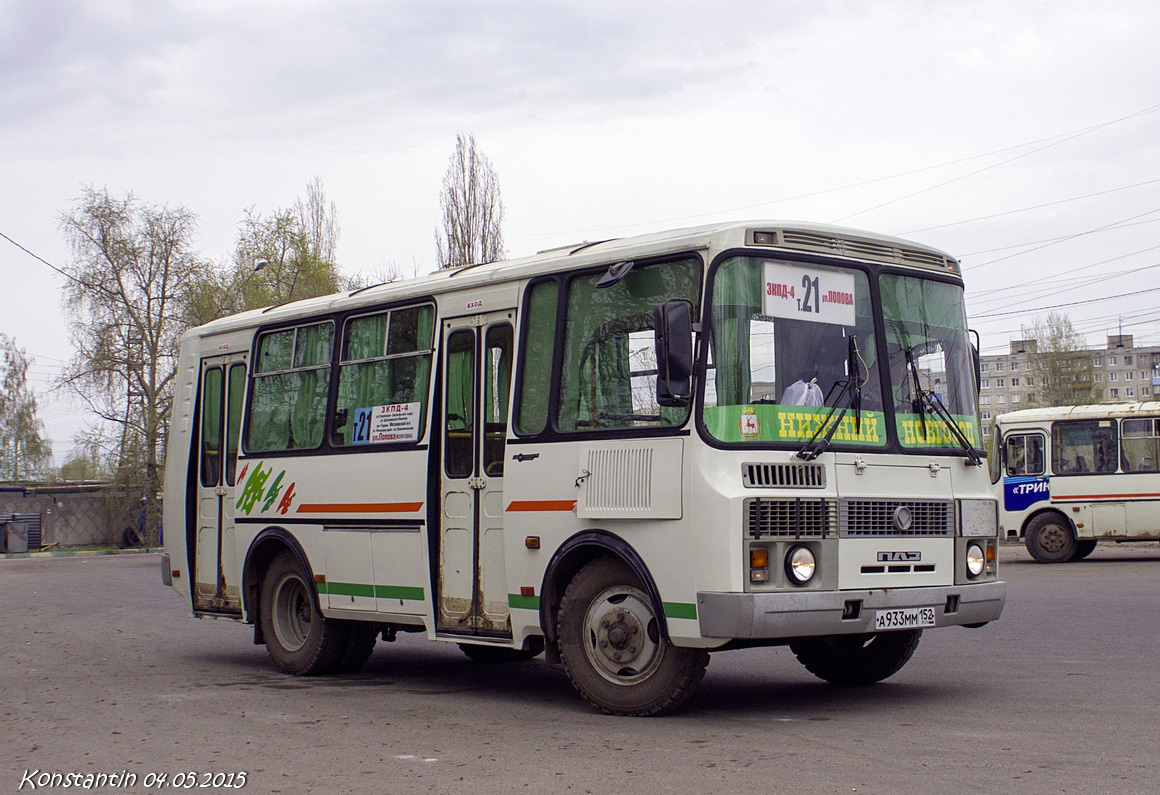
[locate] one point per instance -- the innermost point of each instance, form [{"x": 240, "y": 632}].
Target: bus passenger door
[
  {"x": 216, "y": 569},
  {"x": 477, "y": 373}
]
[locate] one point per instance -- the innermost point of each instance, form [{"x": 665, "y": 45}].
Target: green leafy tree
[
  {"x": 284, "y": 256},
  {"x": 24, "y": 452},
  {"x": 127, "y": 300},
  {"x": 88, "y": 458},
  {"x": 471, "y": 207},
  {"x": 1061, "y": 365}
]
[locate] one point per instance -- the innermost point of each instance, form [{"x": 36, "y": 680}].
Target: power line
[
  {"x": 1071, "y": 303},
  {"x": 1000, "y": 163},
  {"x": 63, "y": 273}
]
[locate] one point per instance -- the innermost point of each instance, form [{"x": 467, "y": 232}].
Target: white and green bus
[
  {"x": 1072, "y": 476},
  {"x": 626, "y": 454}
]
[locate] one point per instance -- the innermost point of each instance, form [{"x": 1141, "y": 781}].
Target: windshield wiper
[
  {"x": 852, "y": 387},
  {"x": 924, "y": 398}
]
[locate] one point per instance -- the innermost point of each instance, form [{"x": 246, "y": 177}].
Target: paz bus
[
  {"x": 626, "y": 454},
  {"x": 1072, "y": 476}
]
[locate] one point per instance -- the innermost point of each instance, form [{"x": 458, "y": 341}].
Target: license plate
[{"x": 906, "y": 618}]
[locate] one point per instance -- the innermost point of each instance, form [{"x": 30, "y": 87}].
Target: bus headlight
[
  {"x": 800, "y": 565},
  {"x": 976, "y": 560}
]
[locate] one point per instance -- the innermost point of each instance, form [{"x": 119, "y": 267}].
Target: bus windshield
[
  {"x": 791, "y": 341},
  {"x": 793, "y": 350},
  {"x": 930, "y": 362}
]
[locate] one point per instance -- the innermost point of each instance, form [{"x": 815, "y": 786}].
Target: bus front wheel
[
  {"x": 1050, "y": 539},
  {"x": 856, "y": 659},
  {"x": 612, "y": 647},
  {"x": 298, "y": 638}
]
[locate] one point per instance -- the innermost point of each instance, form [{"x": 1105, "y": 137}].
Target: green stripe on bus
[
  {"x": 371, "y": 591},
  {"x": 519, "y": 602},
  {"x": 680, "y": 610},
  {"x": 399, "y": 592}
]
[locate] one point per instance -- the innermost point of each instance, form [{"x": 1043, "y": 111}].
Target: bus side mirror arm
[{"x": 673, "y": 332}]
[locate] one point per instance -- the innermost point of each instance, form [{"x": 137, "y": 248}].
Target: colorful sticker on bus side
[
  {"x": 1022, "y": 492},
  {"x": 255, "y": 490}
]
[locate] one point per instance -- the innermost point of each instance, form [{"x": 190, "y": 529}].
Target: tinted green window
[
  {"x": 211, "y": 427},
  {"x": 609, "y": 374},
  {"x": 288, "y": 405},
  {"x": 539, "y": 345},
  {"x": 383, "y": 378}
]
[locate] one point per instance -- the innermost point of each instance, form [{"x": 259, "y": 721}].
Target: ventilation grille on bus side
[
  {"x": 621, "y": 479},
  {"x": 865, "y": 249},
  {"x": 798, "y": 476},
  {"x": 865, "y": 518},
  {"x": 795, "y": 518}
]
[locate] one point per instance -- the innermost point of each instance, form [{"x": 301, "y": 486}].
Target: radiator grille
[
  {"x": 800, "y": 476},
  {"x": 865, "y": 518},
  {"x": 798, "y": 518}
]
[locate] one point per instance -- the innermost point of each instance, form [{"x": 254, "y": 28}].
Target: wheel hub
[{"x": 622, "y": 637}]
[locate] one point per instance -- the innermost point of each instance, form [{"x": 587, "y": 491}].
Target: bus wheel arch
[
  {"x": 572, "y": 556},
  {"x": 1050, "y": 537},
  {"x": 266, "y": 546}
]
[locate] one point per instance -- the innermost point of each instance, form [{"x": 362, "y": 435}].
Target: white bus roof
[
  {"x": 796, "y": 236},
  {"x": 1099, "y": 411}
]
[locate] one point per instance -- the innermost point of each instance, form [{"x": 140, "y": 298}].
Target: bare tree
[
  {"x": 24, "y": 452},
  {"x": 472, "y": 209},
  {"x": 1061, "y": 365},
  {"x": 127, "y": 300}
]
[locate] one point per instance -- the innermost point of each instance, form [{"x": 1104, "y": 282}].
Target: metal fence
[{"x": 97, "y": 514}]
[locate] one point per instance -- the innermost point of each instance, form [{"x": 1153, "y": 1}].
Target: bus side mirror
[{"x": 674, "y": 346}]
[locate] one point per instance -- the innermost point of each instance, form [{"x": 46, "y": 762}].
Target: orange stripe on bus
[
  {"x": 541, "y": 505},
  {"x": 359, "y": 507},
  {"x": 1097, "y": 497}
]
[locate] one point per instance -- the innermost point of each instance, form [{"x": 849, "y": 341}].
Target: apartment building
[{"x": 1126, "y": 373}]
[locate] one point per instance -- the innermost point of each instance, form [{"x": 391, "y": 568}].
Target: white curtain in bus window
[
  {"x": 1084, "y": 447},
  {"x": 1140, "y": 445},
  {"x": 383, "y": 377},
  {"x": 610, "y": 368},
  {"x": 290, "y": 386}
]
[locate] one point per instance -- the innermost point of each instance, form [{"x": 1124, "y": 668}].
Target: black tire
[
  {"x": 612, "y": 647},
  {"x": 1050, "y": 538},
  {"x": 1083, "y": 549},
  {"x": 857, "y": 659},
  {"x": 360, "y": 643},
  {"x": 494, "y": 654},
  {"x": 298, "y": 638}
]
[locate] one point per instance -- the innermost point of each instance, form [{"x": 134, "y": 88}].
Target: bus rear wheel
[
  {"x": 300, "y": 641},
  {"x": 1050, "y": 539},
  {"x": 612, "y": 647},
  {"x": 857, "y": 659}
]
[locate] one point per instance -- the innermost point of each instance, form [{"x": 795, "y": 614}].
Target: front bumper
[{"x": 796, "y": 614}]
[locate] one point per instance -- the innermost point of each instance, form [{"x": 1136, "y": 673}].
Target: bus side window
[
  {"x": 1025, "y": 455},
  {"x": 1140, "y": 448}
]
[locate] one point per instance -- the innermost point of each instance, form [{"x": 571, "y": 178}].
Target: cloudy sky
[{"x": 1022, "y": 137}]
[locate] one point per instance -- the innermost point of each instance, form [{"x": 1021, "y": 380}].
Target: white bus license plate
[{"x": 907, "y": 618}]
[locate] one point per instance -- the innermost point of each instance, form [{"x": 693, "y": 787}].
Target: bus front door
[
  {"x": 477, "y": 373},
  {"x": 216, "y": 570}
]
